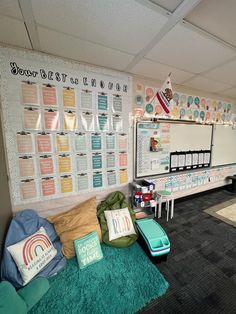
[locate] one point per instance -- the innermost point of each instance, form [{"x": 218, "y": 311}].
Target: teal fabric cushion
[
  {"x": 88, "y": 250},
  {"x": 34, "y": 291},
  {"x": 10, "y": 301}
]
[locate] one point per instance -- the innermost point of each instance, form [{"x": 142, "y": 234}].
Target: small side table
[
  {"x": 233, "y": 186},
  {"x": 165, "y": 196}
]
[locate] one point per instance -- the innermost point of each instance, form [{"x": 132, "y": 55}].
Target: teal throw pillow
[{"x": 88, "y": 250}]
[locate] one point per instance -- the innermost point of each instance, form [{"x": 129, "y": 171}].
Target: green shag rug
[{"x": 122, "y": 282}]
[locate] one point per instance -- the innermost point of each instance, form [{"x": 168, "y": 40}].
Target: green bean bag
[
  {"x": 115, "y": 200},
  {"x": 21, "y": 301}
]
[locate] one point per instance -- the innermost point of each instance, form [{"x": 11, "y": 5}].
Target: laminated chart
[
  {"x": 24, "y": 143},
  {"x": 83, "y": 182},
  {"x": 48, "y": 186},
  {"x": 31, "y": 119},
  {"x": 102, "y": 102},
  {"x": 66, "y": 184},
  {"x": 29, "y": 93},
  {"x": 46, "y": 165},
  {"x": 49, "y": 95},
  {"x": 62, "y": 142},
  {"x": 28, "y": 189},
  {"x": 68, "y": 97},
  {"x": 26, "y": 166},
  {"x": 51, "y": 120},
  {"x": 44, "y": 143}
]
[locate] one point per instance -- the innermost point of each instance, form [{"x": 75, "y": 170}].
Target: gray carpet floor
[{"x": 201, "y": 268}]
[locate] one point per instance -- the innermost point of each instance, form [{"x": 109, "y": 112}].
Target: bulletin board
[
  {"x": 156, "y": 141},
  {"x": 224, "y": 145},
  {"x": 66, "y": 126}
]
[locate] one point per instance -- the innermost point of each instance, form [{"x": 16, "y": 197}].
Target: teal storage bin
[{"x": 154, "y": 236}]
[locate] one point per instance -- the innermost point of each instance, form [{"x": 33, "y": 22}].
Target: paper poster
[
  {"x": 207, "y": 157},
  {"x": 86, "y": 100},
  {"x": 68, "y": 97},
  {"x": 123, "y": 141},
  {"x": 117, "y": 103},
  {"x": 110, "y": 141},
  {"x": 24, "y": 143},
  {"x": 117, "y": 123},
  {"x": 97, "y": 180},
  {"x": 188, "y": 159},
  {"x": 80, "y": 142},
  {"x": 195, "y": 158},
  {"x": 181, "y": 160},
  {"x": 102, "y": 101},
  {"x": 31, "y": 119},
  {"x": 83, "y": 182},
  {"x": 46, "y": 165},
  {"x": 82, "y": 163},
  {"x": 96, "y": 142},
  {"x": 123, "y": 176},
  {"x": 48, "y": 186},
  {"x": 87, "y": 119},
  {"x": 49, "y": 95},
  {"x": 51, "y": 120},
  {"x": 111, "y": 178},
  {"x": 123, "y": 160},
  {"x": 97, "y": 161},
  {"x": 28, "y": 189},
  {"x": 29, "y": 93},
  {"x": 66, "y": 184},
  {"x": 64, "y": 163},
  {"x": 70, "y": 121},
  {"x": 44, "y": 143},
  {"x": 200, "y": 158},
  {"x": 26, "y": 166},
  {"x": 111, "y": 160},
  {"x": 174, "y": 161},
  {"x": 63, "y": 143},
  {"x": 103, "y": 122}
]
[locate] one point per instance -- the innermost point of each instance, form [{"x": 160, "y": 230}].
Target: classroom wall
[{"x": 5, "y": 205}]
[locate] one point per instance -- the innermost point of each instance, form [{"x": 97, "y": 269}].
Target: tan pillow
[{"x": 76, "y": 223}]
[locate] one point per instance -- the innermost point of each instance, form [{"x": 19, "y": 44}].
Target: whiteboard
[
  {"x": 184, "y": 137},
  {"x": 224, "y": 145},
  {"x": 171, "y": 136}
]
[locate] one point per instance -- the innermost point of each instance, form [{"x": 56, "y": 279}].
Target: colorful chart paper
[
  {"x": 44, "y": 143},
  {"x": 29, "y": 93},
  {"x": 28, "y": 189},
  {"x": 117, "y": 103},
  {"x": 111, "y": 178},
  {"x": 123, "y": 176},
  {"x": 123, "y": 160},
  {"x": 102, "y": 102},
  {"x": 49, "y": 96},
  {"x": 66, "y": 184},
  {"x": 46, "y": 165},
  {"x": 97, "y": 180},
  {"x": 48, "y": 187},
  {"x": 97, "y": 161},
  {"x": 80, "y": 142},
  {"x": 83, "y": 182},
  {"x": 69, "y": 97},
  {"x": 64, "y": 164},
  {"x": 87, "y": 119},
  {"x": 111, "y": 160},
  {"x": 103, "y": 123},
  {"x": 117, "y": 123},
  {"x": 96, "y": 142},
  {"x": 123, "y": 141},
  {"x": 24, "y": 143},
  {"x": 26, "y": 166},
  {"x": 110, "y": 141},
  {"x": 51, "y": 120},
  {"x": 82, "y": 162},
  {"x": 63, "y": 143},
  {"x": 31, "y": 119},
  {"x": 86, "y": 100},
  {"x": 70, "y": 121}
]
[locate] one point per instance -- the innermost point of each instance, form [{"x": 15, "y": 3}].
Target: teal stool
[{"x": 165, "y": 196}]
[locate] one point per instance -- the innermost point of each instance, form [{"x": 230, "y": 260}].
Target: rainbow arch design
[{"x": 31, "y": 247}]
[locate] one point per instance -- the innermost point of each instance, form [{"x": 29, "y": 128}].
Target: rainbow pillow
[{"x": 32, "y": 254}]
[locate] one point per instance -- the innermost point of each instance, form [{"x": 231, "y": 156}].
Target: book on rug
[{"x": 88, "y": 250}]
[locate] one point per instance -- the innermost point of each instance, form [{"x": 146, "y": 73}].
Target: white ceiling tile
[
  {"x": 205, "y": 84},
  {"x": 169, "y": 5},
  {"x": 225, "y": 73},
  {"x": 69, "y": 47},
  {"x": 230, "y": 92},
  {"x": 10, "y": 8},
  {"x": 189, "y": 51},
  {"x": 122, "y": 25},
  {"x": 15, "y": 32},
  {"x": 159, "y": 71},
  {"x": 216, "y": 17}
]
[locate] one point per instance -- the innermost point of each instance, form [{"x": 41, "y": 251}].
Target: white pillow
[
  {"x": 32, "y": 254},
  {"x": 119, "y": 223}
]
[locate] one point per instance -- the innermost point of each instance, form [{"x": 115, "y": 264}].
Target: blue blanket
[{"x": 24, "y": 224}]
